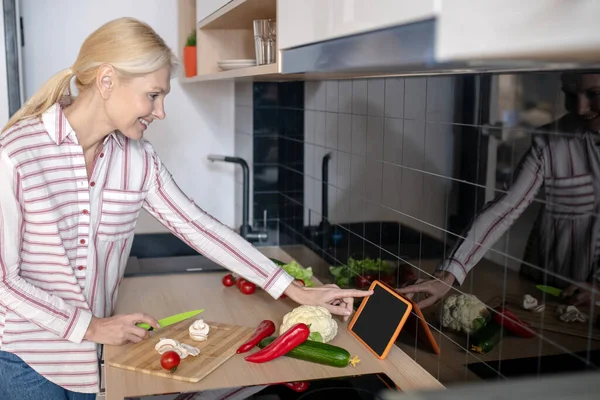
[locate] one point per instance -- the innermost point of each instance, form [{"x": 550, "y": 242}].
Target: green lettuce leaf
[{"x": 298, "y": 272}]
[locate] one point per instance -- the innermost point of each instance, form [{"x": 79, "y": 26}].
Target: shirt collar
[{"x": 59, "y": 129}]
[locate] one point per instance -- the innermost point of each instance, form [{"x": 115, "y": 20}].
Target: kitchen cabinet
[
  {"x": 533, "y": 30},
  {"x": 204, "y": 8},
  {"x": 421, "y": 36},
  {"x": 225, "y": 34},
  {"x": 311, "y": 21}
]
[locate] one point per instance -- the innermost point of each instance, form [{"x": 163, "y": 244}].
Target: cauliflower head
[
  {"x": 318, "y": 319},
  {"x": 464, "y": 312}
]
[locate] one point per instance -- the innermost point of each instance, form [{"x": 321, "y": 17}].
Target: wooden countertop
[
  {"x": 164, "y": 295},
  {"x": 485, "y": 281}
]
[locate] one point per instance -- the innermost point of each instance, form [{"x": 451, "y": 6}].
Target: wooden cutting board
[
  {"x": 223, "y": 340},
  {"x": 551, "y": 322}
]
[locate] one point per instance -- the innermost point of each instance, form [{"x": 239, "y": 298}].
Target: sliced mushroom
[
  {"x": 571, "y": 314},
  {"x": 199, "y": 330},
  {"x": 165, "y": 345},
  {"x": 529, "y": 302},
  {"x": 182, "y": 349},
  {"x": 539, "y": 308},
  {"x": 192, "y": 351}
]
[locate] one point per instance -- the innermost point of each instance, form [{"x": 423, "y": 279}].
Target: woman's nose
[
  {"x": 159, "y": 112},
  {"x": 583, "y": 104}
]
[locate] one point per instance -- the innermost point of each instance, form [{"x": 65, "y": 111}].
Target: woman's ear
[{"x": 105, "y": 78}]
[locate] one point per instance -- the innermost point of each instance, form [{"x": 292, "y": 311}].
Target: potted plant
[{"x": 189, "y": 56}]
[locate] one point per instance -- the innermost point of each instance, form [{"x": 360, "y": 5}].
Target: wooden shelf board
[
  {"x": 239, "y": 14},
  {"x": 260, "y": 71}
]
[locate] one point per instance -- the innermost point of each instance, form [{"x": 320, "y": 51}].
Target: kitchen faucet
[
  {"x": 246, "y": 230},
  {"x": 321, "y": 233}
]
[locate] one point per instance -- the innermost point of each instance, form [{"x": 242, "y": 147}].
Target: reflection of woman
[{"x": 565, "y": 240}]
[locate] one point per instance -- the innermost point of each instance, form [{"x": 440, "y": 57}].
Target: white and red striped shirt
[
  {"x": 565, "y": 240},
  {"x": 65, "y": 240}
]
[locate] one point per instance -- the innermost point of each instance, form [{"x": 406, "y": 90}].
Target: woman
[
  {"x": 564, "y": 245},
  {"x": 74, "y": 174}
]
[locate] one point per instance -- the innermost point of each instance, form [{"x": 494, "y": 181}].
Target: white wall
[
  {"x": 244, "y": 145},
  {"x": 3, "y": 83},
  {"x": 199, "y": 117}
]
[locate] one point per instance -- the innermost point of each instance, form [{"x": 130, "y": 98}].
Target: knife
[
  {"x": 173, "y": 319},
  {"x": 557, "y": 292},
  {"x": 550, "y": 290}
]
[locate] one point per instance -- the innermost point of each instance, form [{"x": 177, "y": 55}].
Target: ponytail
[
  {"x": 51, "y": 92},
  {"x": 132, "y": 47}
]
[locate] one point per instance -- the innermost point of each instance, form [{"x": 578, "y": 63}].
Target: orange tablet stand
[
  {"x": 394, "y": 336},
  {"x": 417, "y": 321}
]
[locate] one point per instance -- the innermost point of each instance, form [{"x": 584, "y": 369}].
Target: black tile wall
[{"x": 278, "y": 148}]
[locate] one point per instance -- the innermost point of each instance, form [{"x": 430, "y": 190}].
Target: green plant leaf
[
  {"x": 315, "y": 337},
  {"x": 191, "y": 39}
]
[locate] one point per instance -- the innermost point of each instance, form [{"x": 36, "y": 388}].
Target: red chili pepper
[
  {"x": 293, "y": 337},
  {"x": 298, "y": 387},
  {"x": 512, "y": 323},
  {"x": 265, "y": 329}
]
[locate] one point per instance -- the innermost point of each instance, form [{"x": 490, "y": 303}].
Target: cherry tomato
[
  {"x": 170, "y": 360},
  {"x": 228, "y": 280},
  {"x": 363, "y": 282},
  {"x": 248, "y": 287},
  {"x": 239, "y": 282}
]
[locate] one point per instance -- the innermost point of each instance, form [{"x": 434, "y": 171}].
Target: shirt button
[
  {"x": 80, "y": 268},
  {"x": 85, "y": 212},
  {"x": 92, "y": 184},
  {"x": 82, "y": 241}
]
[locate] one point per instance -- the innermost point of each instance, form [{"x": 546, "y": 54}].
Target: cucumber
[
  {"x": 320, "y": 353},
  {"x": 487, "y": 337}
]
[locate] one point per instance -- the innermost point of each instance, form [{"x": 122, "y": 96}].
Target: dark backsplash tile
[
  {"x": 266, "y": 178},
  {"x": 266, "y": 149},
  {"x": 278, "y": 142}
]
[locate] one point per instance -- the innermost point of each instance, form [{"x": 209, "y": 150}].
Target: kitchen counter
[
  {"x": 165, "y": 295},
  {"x": 486, "y": 280}
]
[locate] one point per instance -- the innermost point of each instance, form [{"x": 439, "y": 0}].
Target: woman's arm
[
  {"x": 492, "y": 221},
  {"x": 172, "y": 208},
  {"x": 16, "y": 294},
  {"x": 497, "y": 216}
]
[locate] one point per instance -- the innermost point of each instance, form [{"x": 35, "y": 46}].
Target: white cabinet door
[
  {"x": 310, "y": 21},
  {"x": 206, "y": 7},
  {"x": 518, "y": 29}
]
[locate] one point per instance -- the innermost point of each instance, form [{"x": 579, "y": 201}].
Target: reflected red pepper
[{"x": 512, "y": 323}]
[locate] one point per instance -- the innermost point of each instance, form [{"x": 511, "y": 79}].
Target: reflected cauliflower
[
  {"x": 323, "y": 327},
  {"x": 464, "y": 312}
]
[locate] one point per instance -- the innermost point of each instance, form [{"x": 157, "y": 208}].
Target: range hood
[{"x": 401, "y": 50}]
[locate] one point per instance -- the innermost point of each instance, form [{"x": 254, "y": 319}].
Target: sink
[
  {"x": 156, "y": 254},
  {"x": 171, "y": 265}
]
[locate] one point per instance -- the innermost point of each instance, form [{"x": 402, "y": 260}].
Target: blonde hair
[{"x": 132, "y": 47}]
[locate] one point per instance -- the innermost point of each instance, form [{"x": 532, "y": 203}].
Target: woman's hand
[
  {"x": 119, "y": 329},
  {"x": 435, "y": 288},
  {"x": 337, "y": 301},
  {"x": 579, "y": 294}
]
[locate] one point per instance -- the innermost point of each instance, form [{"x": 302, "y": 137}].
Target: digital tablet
[{"x": 379, "y": 319}]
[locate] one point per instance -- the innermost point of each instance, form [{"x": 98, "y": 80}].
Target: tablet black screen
[{"x": 379, "y": 319}]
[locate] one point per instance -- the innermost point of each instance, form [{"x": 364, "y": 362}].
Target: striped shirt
[
  {"x": 65, "y": 240},
  {"x": 565, "y": 237}
]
